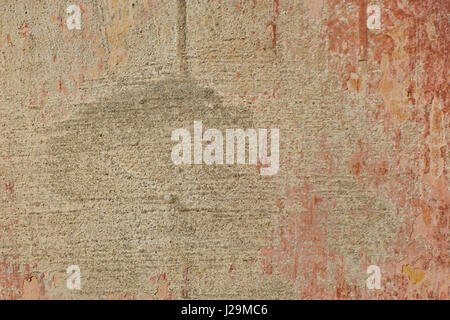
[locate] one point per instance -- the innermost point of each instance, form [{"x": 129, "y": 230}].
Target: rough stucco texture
[{"x": 86, "y": 176}]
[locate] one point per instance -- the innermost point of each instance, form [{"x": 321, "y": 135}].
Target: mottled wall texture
[{"x": 87, "y": 178}]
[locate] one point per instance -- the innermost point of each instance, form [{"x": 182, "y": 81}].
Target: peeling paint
[{"x": 85, "y": 173}]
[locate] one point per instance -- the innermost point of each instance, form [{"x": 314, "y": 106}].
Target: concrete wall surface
[{"x": 94, "y": 205}]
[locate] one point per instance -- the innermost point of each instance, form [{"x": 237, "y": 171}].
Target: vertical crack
[{"x": 181, "y": 34}]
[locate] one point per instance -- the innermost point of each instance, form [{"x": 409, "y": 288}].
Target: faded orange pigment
[
  {"x": 391, "y": 180},
  {"x": 406, "y": 65}
]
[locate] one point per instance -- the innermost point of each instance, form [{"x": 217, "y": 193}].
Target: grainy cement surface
[{"x": 86, "y": 176}]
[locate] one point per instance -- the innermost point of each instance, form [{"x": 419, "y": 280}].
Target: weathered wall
[{"x": 86, "y": 176}]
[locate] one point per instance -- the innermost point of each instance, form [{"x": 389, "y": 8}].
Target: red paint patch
[{"x": 24, "y": 29}]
